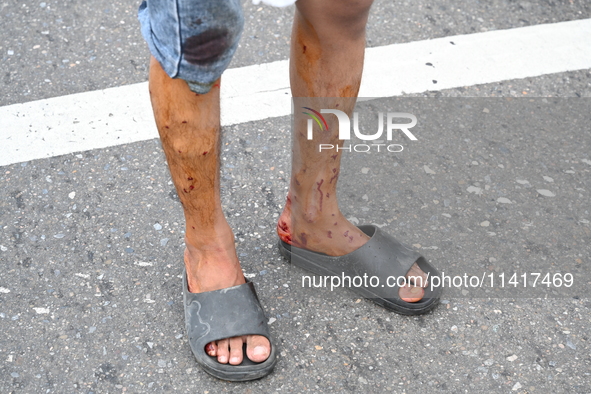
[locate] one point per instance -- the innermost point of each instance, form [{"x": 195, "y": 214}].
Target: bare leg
[
  {"x": 327, "y": 49},
  {"x": 189, "y": 127}
]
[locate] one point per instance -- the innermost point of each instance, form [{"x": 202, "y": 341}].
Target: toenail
[
  {"x": 223, "y": 359},
  {"x": 234, "y": 360},
  {"x": 260, "y": 351}
]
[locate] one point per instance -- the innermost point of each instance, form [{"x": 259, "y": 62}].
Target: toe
[
  {"x": 417, "y": 276},
  {"x": 223, "y": 351},
  {"x": 236, "y": 350},
  {"x": 258, "y": 348},
  {"x": 211, "y": 349},
  {"x": 409, "y": 293}
]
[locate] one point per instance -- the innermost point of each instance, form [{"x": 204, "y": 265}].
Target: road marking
[{"x": 122, "y": 115}]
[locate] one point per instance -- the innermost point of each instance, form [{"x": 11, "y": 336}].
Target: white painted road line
[{"x": 116, "y": 116}]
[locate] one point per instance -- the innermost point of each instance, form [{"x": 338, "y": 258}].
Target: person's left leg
[{"x": 327, "y": 51}]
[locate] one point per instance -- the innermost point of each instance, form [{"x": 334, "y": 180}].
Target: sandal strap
[
  {"x": 382, "y": 256},
  {"x": 390, "y": 256},
  {"x": 224, "y": 313}
]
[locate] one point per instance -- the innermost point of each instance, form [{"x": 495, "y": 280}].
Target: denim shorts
[{"x": 193, "y": 40}]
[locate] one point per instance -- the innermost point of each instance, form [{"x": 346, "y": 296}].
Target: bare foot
[
  {"x": 329, "y": 232},
  {"x": 216, "y": 267}
]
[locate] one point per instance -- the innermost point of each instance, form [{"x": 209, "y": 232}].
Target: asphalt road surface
[{"x": 498, "y": 183}]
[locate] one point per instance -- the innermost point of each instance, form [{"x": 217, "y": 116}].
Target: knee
[
  {"x": 347, "y": 17},
  {"x": 207, "y": 52},
  {"x": 193, "y": 40},
  {"x": 209, "y": 30},
  {"x": 208, "y": 47},
  {"x": 346, "y": 11},
  {"x": 206, "y": 56},
  {"x": 351, "y": 14}
]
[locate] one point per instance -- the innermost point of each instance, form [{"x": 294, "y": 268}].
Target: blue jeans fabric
[{"x": 193, "y": 40}]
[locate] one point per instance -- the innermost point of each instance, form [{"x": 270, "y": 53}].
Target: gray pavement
[
  {"x": 52, "y": 48},
  {"x": 91, "y": 242}
]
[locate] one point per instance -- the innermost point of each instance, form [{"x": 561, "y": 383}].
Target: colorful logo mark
[{"x": 317, "y": 117}]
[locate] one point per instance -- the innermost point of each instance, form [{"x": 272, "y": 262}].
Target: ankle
[
  {"x": 326, "y": 231},
  {"x": 307, "y": 217},
  {"x": 210, "y": 259},
  {"x": 212, "y": 269}
]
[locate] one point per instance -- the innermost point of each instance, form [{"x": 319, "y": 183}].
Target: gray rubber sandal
[
  {"x": 226, "y": 313},
  {"x": 383, "y": 257}
]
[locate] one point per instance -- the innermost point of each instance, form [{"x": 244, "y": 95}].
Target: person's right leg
[
  {"x": 193, "y": 41},
  {"x": 189, "y": 128}
]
